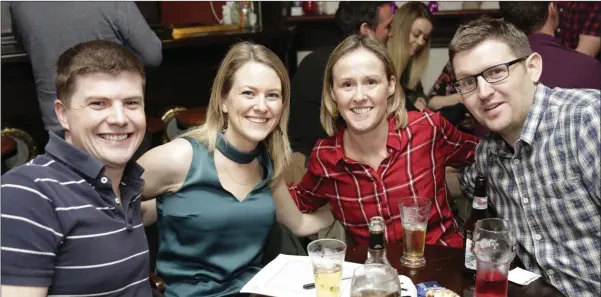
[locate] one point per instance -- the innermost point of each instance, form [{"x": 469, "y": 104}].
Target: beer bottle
[
  {"x": 377, "y": 245},
  {"x": 479, "y": 212}
]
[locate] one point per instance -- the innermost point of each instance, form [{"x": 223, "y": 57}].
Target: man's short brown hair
[
  {"x": 477, "y": 31},
  {"x": 97, "y": 56}
]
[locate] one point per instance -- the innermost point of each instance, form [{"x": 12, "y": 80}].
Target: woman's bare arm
[
  {"x": 287, "y": 213},
  {"x": 165, "y": 170}
]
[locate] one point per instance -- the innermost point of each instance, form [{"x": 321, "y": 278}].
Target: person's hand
[{"x": 420, "y": 104}]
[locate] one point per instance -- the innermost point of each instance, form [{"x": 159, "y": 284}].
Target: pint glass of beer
[
  {"x": 327, "y": 257},
  {"x": 414, "y": 217}
]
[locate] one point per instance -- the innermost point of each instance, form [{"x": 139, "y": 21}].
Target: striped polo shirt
[{"x": 64, "y": 227}]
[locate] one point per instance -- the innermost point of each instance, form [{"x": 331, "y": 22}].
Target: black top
[{"x": 304, "y": 126}]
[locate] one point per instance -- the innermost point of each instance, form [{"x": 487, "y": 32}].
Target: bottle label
[
  {"x": 470, "y": 258},
  {"x": 480, "y": 203},
  {"x": 376, "y": 241}
]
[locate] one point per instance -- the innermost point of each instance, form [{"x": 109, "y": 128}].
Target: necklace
[{"x": 231, "y": 176}]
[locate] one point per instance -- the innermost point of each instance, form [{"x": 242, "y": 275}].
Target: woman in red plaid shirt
[{"x": 378, "y": 152}]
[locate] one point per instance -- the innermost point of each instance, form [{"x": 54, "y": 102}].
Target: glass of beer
[
  {"x": 494, "y": 248},
  {"x": 375, "y": 280},
  {"x": 414, "y": 218},
  {"x": 327, "y": 257}
]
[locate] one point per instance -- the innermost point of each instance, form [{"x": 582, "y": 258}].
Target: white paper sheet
[
  {"x": 286, "y": 275},
  {"x": 521, "y": 276}
]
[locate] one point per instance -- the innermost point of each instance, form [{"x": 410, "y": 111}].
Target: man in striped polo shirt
[{"x": 71, "y": 222}]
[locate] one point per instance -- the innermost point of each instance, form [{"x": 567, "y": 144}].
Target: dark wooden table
[{"x": 443, "y": 264}]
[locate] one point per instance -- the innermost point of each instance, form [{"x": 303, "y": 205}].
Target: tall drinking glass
[
  {"x": 327, "y": 257},
  {"x": 494, "y": 248},
  {"x": 414, "y": 218},
  {"x": 375, "y": 280}
]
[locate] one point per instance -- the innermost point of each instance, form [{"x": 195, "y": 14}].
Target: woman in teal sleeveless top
[
  {"x": 214, "y": 185},
  {"x": 195, "y": 225}
]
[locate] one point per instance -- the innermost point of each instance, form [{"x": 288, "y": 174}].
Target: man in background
[
  {"x": 46, "y": 29},
  {"x": 563, "y": 66},
  {"x": 365, "y": 18}
]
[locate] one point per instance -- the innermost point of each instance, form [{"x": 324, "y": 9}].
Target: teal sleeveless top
[{"x": 210, "y": 243}]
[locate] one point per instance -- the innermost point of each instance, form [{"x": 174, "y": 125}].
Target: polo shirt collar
[{"x": 81, "y": 161}]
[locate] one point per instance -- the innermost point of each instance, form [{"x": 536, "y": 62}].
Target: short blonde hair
[
  {"x": 330, "y": 118},
  {"x": 276, "y": 142},
  {"x": 398, "y": 43}
]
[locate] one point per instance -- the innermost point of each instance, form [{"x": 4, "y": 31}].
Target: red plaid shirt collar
[{"x": 394, "y": 141}]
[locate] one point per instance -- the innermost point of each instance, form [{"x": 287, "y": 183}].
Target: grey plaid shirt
[{"x": 549, "y": 189}]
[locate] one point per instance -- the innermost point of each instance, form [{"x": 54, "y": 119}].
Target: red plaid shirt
[
  {"x": 577, "y": 18},
  {"x": 416, "y": 164}
]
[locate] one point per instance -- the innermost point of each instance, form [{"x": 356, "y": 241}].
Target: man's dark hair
[
  {"x": 350, "y": 15},
  {"x": 96, "y": 56},
  {"x": 528, "y": 16}
]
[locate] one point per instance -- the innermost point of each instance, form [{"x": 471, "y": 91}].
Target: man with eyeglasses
[{"x": 541, "y": 157}]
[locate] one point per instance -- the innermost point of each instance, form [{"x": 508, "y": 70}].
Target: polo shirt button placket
[{"x": 104, "y": 180}]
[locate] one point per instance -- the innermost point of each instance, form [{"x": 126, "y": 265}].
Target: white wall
[{"x": 437, "y": 60}]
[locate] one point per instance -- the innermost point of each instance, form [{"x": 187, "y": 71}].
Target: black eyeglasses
[{"x": 493, "y": 74}]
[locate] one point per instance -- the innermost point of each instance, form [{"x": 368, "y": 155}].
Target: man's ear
[
  {"x": 61, "y": 113},
  {"x": 552, "y": 9},
  {"x": 534, "y": 66},
  {"x": 365, "y": 30}
]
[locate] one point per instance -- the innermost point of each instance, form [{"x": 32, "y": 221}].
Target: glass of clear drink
[
  {"x": 327, "y": 258},
  {"x": 414, "y": 218},
  {"x": 494, "y": 248},
  {"x": 375, "y": 280}
]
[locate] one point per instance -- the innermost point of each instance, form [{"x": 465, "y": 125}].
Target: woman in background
[
  {"x": 213, "y": 185},
  {"x": 409, "y": 49}
]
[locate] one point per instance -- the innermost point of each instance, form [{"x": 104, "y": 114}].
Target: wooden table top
[{"x": 443, "y": 264}]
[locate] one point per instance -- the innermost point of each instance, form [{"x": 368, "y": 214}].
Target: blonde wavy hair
[
  {"x": 330, "y": 118},
  {"x": 398, "y": 43},
  {"x": 276, "y": 142}
]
